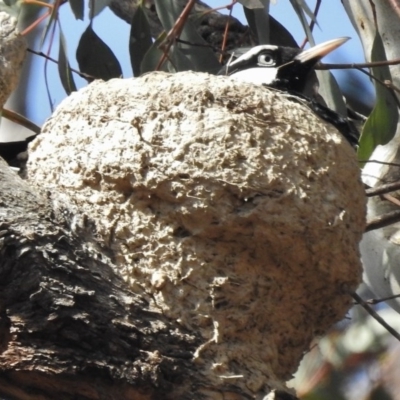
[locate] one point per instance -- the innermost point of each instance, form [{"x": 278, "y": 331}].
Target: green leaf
[
  {"x": 77, "y": 8},
  {"x": 381, "y": 125},
  {"x": 278, "y": 34},
  {"x": 153, "y": 56},
  {"x": 331, "y": 93},
  {"x": 167, "y": 12},
  {"x": 97, "y": 6},
  {"x": 140, "y": 39},
  {"x": 50, "y": 23},
  {"x": 200, "y": 55},
  {"x": 298, "y": 7},
  {"x": 179, "y": 61},
  {"x": 64, "y": 69},
  {"x": 253, "y": 4},
  {"x": 259, "y": 22},
  {"x": 303, "y": 4},
  {"x": 95, "y": 58}
]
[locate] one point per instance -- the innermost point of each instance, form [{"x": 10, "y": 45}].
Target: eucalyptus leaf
[
  {"x": 331, "y": 93},
  {"x": 153, "y": 57},
  {"x": 50, "y": 24},
  {"x": 201, "y": 56},
  {"x": 259, "y": 22},
  {"x": 64, "y": 69},
  {"x": 95, "y": 58},
  {"x": 298, "y": 8},
  {"x": 253, "y": 4},
  {"x": 77, "y": 7},
  {"x": 168, "y": 12},
  {"x": 179, "y": 60},
  {"x": 97, "y": 6},
  {"x": 140, "y": 39},
  {"x": 303, "y": 4},
  {"x": 381, "y": 125}
]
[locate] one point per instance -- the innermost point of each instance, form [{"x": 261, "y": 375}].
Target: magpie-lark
[{"x": 287, "y": 69}]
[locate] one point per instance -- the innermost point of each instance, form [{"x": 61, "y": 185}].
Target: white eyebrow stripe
[
  {"x": 257, "y": 76},
  {"x": 252, "y": 52}
]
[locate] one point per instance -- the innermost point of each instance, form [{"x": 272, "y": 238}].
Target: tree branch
[{"x": 64, "y": 310}]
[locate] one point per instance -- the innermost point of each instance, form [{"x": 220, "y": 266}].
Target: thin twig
[
  {"x": 372, "y": 64},
  {"x": 380, "y": 162},
  {"x": 392, "y": 199},
  {"x": 35, "y": 23},
  {"x": 225, "y": 37},
  {"x": 175, "y": 32},
  {"x": 383, "y": 220},
  {"x": 382, "y": 189},
  {"x": 316, "y": 10},
  {"x": 210, "y": 46},
  {"x": 377, "y": 301},
  {"x": 233, "y": 2},
  {"x": 312, "y": 23},
  {"x": 374, "y": 314},
  {"x": 41, "y": 54}
]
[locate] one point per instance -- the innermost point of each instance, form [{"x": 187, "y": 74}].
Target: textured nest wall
[
  {"x": 12, "y": 54},
  {"x": 239, "y": 210}
]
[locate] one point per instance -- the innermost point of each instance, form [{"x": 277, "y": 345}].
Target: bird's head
[{"x": 284, "y": 68}]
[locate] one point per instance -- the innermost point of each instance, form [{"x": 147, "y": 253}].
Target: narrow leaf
[
  {"x": 330, "y": 91},
  {"x": 300, "y": 13},
  {"x": 252, "y": 4},
  {"x": 50, "y": 23},
  {"x": 201, "y": 56},
  {"x": 381, "y": 125},
  {"x": 140, "y": 39},
  {"x": 303, "y": 4},
  {"x": 167, "y": 13},
  {"x": 153, "y": 56},
  {"x": 77, "y": 8},
  {"x": 64, "y": 69},
  {"x": 95, "y": 58},
  {"x": 97, "y": 6},
  {"x": 259, "y": 22},
  {"x": 179, "y": 61}
]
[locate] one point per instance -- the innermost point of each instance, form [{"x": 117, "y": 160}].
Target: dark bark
[{"x": 69, "y": 327}]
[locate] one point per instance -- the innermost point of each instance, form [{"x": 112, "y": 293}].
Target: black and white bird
[{"x": 288, "y": 69}]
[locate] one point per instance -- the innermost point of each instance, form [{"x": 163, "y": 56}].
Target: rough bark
[{"x": 69, "y": 326}]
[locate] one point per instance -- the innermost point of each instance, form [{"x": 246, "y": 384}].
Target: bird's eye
[{"x": 266, "y": 59}]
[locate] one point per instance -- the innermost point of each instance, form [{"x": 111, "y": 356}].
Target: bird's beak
[{"x": 321, "y": 50}]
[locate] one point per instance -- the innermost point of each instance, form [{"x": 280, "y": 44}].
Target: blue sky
[{"x": 332, "y": 19}]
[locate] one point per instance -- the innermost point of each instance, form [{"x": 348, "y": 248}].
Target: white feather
[{"x": 257, "y": 76}]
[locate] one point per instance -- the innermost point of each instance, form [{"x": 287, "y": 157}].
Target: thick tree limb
[
  {"x": 69, "y": 326},
  {"x": 211, "y": 27}
]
